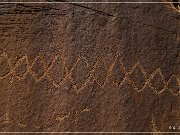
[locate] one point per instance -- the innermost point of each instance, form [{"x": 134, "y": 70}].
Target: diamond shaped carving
[
  {"x": 80, "y": 73},
  {"x": 101, "y": 72},
  {"x": 57, "y": 72},
  {"x": 138, "y": 76},
  {"x": 21, "y": 68},
  {"x": 37, "y": 68},
  {"x": 157, "y": 81},
  {"x": 118, "y": 72}
]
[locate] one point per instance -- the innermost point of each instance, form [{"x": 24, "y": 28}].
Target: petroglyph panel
[{"x": 84, "y": 67}]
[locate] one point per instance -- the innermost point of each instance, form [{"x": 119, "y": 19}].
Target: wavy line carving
[{"x": 173, "y": 84}]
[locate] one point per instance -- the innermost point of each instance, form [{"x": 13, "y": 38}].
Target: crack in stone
[{"x": 97, "y": 11}]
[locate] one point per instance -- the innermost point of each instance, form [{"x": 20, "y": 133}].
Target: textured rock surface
[{"x": 89, "y": 67}]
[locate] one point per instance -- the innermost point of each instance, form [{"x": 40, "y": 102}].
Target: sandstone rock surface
[{"x": 89, "y": 67}]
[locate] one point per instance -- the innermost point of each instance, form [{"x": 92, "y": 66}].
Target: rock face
[{"x": 89, "y": 67}]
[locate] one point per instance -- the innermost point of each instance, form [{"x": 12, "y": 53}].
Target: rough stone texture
[{"x": 89, "y": 67}]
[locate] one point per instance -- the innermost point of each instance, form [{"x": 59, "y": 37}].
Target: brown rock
[{"x": 86, "y": 67}]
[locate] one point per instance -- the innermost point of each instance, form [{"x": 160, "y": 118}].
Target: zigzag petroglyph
[{"x": 91, "y": 73}]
